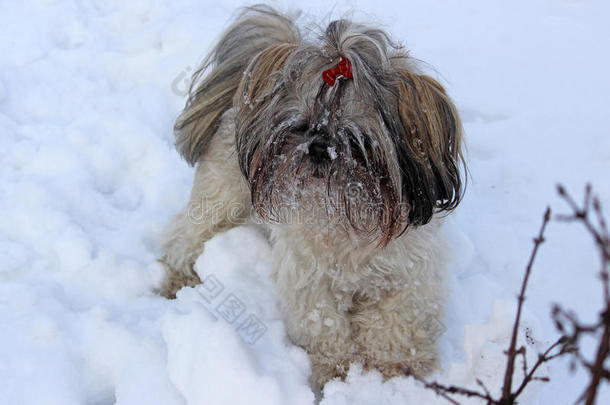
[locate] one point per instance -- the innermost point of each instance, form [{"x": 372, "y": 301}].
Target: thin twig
[
  {"x": 435, "y": 387},
  {"x": 510, "y": 364},
  {"x": 543, "y": 358},
  {"x": 600, "y": 235},
  {"x": 508, "y": 397},
  {"x": 566, "y": 322},
  {"x": 444, "y": 390}
]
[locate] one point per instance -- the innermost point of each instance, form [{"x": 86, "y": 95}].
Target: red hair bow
[{"x": 344, "y": 68}]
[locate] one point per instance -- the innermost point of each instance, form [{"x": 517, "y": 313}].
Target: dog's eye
[{"x": 299, "y": 128}]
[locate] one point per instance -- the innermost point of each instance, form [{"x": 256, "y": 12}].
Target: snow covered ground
[{"x": 88, "y": 173}]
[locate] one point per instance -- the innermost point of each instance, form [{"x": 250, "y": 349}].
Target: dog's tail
[{"x": 214, "y": 84}]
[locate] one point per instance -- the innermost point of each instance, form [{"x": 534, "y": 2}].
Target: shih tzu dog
[{"x": 348, "y": 156}]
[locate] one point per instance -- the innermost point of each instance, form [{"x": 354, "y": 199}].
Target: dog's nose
[{"x": 318, "y": 152}]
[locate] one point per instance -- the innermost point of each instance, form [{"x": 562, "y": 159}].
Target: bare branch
[
  {"x": 508, "y": 397},
  {"x": 510, "y": 364},
  {"x": 565, "y": 321},
  {"x": 542, "y": 358},
  {"x": 599, "y": 232}
]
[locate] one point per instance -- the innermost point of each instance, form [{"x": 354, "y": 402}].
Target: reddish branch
[
  {"x": 599, "y": 232},
  {"x": 567, "y": 323},
  {"x": 509, "y": 396},
  {"x": 512, "y": 353}
]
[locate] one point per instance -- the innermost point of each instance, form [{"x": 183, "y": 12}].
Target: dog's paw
[
  {"x": 417, "y": 367},
  {"x": 174, "y": 280},
  {"x": 323, "y": 370}
]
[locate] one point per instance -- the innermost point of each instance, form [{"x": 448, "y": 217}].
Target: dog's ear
[
  {"x": 263, "y": 79},
  {"x": 433, "y": 137},
  {"x": 214, "y": 84},
  {"x": 263, "y": 76}
]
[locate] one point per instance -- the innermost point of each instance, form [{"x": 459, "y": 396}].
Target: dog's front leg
[
  {"x": 316, "y": 323},
  {"x": 219, "y": 201},
  {"x": 398, "y": 332},
  {"x": 317, "y": 318}
]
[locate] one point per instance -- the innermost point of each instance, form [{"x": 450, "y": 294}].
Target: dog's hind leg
[{"x": 219, "y": 201}]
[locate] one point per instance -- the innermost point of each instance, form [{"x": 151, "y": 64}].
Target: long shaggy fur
[
  {"x": 350, "y": 180},
  {"x": 215, "y": 82}
]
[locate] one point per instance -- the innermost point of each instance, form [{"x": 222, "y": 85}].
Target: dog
[{"x": 350, "y": 157}]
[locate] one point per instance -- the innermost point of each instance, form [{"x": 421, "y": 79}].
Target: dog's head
[{"x": 374, "y": 145}]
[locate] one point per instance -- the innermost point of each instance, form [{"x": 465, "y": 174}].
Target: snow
[
  {"x": 332, "y": 153},
  {"x": 303, "y": 147},
  {"x": 89, "y": 174}
]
